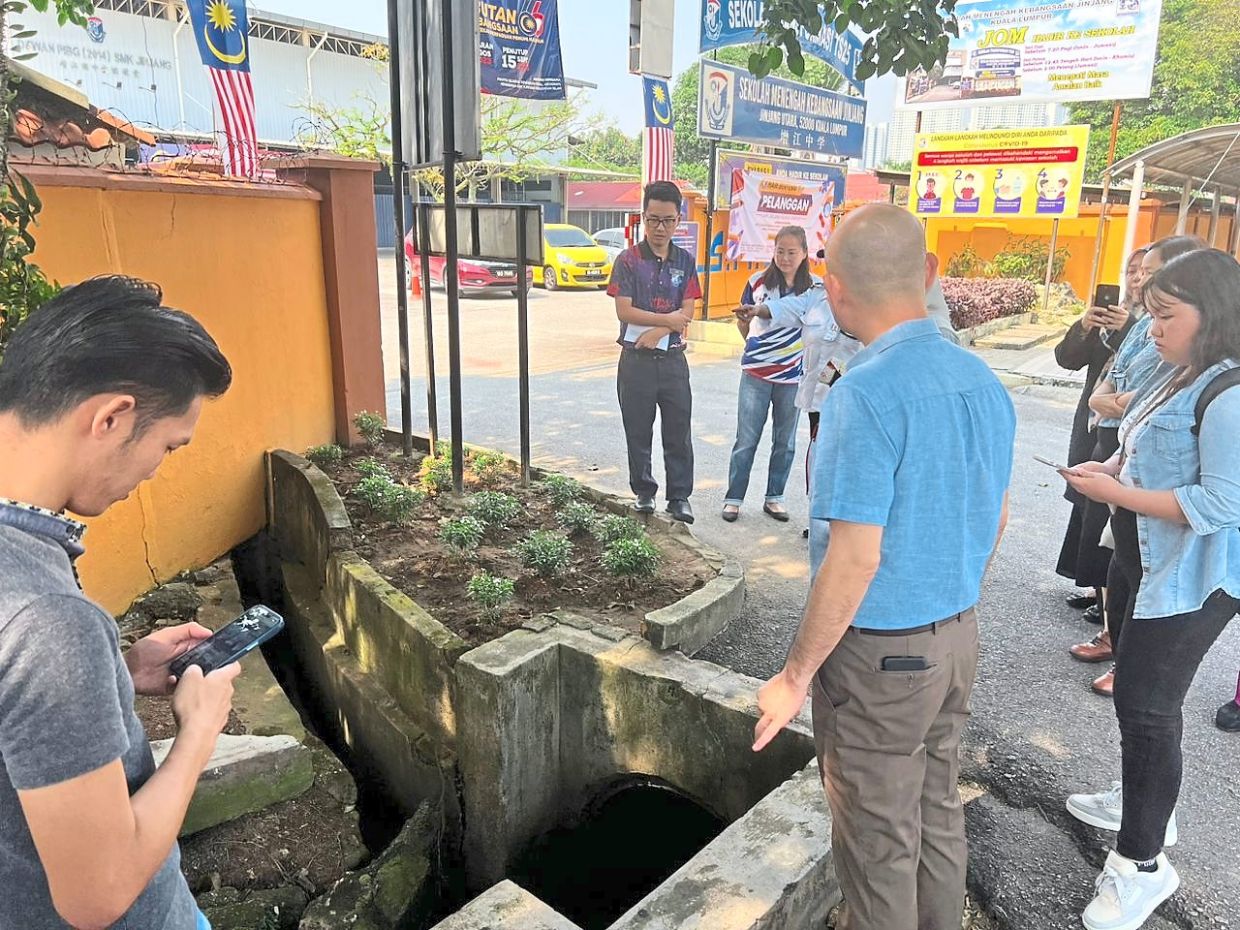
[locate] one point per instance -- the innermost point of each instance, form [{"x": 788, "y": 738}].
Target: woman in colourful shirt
[
  {"x": 1174, "y": 486},
  {"x": 770, "y": 376}
]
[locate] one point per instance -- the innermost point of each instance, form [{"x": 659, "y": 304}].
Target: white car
[{"x": 611, "y": 241}]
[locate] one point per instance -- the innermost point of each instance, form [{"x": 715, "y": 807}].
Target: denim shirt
[
  {"x": 1182, "y": 565},
  {"x": 1136, "y": 360}
]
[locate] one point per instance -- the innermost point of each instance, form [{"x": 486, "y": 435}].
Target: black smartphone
[
  {"x": 905, "y": 664},
  {"x": 1106, "y": 295},
  {"x": 231, "y": 642}
]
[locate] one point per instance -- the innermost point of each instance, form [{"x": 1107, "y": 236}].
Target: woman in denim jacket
[{"x": 1176, "y": 501}]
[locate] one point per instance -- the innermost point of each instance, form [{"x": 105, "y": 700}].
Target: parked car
[
  {"x": 611, "y": 241},
  {"x": 571, "y": 259},
  {"x": 476, "y": 276}
]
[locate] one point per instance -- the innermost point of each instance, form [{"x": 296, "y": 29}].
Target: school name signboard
[{"x": 1030, "y": 173}]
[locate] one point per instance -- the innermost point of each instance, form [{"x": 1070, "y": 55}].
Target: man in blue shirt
[{"x": 911, "y": 480}]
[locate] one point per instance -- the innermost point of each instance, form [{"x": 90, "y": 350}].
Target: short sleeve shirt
[{"x": 654, "y": 284}]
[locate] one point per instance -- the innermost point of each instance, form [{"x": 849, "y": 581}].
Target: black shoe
[
  {"x": 680, "y": 510},
  {"x": 1093, "y": 614},
  {"x": 780, "y": 515},
  {"x": 644, "y": 505},
  {"x": 730, "y": 516},
  {"x": 805, "y": 533},
  {"x": 1228, "y": 717},
  {"x": 1080, "y": 601}
]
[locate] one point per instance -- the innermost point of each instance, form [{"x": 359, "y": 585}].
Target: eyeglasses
[{"x": 667, "y": 222}]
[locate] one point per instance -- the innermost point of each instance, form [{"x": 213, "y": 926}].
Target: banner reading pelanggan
[{"x": 763, "y": 204}]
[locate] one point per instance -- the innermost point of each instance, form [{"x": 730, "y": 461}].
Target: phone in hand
[
  {"x": 1052, "y": 464},
  {"x": 1106, "y": 295},
  {"x": 230, "y": 643}
]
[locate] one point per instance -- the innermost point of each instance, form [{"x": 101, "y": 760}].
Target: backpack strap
[{"x": 1220, "y": 383}]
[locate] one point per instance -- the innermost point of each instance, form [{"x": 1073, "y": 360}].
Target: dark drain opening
[{"x": 625, "y": 845}]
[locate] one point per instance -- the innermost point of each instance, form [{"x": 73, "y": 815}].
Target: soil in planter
[{"x": 412, "y": 557}]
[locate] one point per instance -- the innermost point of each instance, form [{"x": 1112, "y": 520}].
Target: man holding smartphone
[
  {"x": 96, "y": 388},
  {"x": 908, "y": 507}
]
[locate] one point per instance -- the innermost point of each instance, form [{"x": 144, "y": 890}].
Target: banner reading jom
[{"x": 519, "y": 49}]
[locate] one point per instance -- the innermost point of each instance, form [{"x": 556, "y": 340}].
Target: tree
[
  {"x": 903, "y": 34},
  {"x": 609, "y": 149},
  {"x": 1196, "y": 83},
  {"x": 693, "y": 151}
]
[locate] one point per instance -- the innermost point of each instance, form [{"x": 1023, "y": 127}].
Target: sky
[{"x": 594, "y": 38}]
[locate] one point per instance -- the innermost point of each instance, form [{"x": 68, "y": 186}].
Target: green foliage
[
  {"x": 325, "y": 456},
  {"x": 463, "y": 534},
  {"x": 372, "y": 468},
  {"x": 436, "y": 475},
  {"x": 545, "y": 552},
  {"x": 616, "y": 527},
  {"x": 577, "y": 517},
  {"x": 494, "y": 509},
  {"x": 488, "y": 467},
  {"x": 561, "y": 489},
  {"x": 903, "y": 34},
  {"x": 632, "y": 558},
  {"x": 608, "y": 149},
  {"x": 1025, "y": 257},
  {"x": 490, "y": 592},
  {"x": 371, "y": 426},
  {"x": 968, "y": 264},
  {"x": 388, "y": 500},
  {"x": 1196, "y": 83}
]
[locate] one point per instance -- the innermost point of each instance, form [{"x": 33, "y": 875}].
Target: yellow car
[{"x": 571, "y": 259}]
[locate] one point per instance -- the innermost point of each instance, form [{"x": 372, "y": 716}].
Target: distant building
[{"x": 896, "y": 145}]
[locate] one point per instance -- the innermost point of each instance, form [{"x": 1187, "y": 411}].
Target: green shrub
[
  {"x": 616, "y": 527},
  {"x": 545, "y": 552},
  {"x": 968, "y": 264},
  {"x": 388, "y": 500},
  {"x": 494, "y": 508},
  {"x": 371, "y": 426},
  {"x": 1025, "y": 257},
  {"x": 632, "y": 558},
  {"x": 463, "y": 534},
  {"x": 488, "y": 467},
  {"x": 577, "y": 517},
  {"x": 436, "y": 475},
  {"x": 561, "y": 489},
  {"x": 372, "y": 468},
  {"x": 325, "y": 456},
  {"x": 490, "y": 592}
]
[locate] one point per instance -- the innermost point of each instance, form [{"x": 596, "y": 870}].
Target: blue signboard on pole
[
  {"x": 519, "y": 49},
  {"x": 737, "y": 22},
  {"x": 735, "y": 105}
]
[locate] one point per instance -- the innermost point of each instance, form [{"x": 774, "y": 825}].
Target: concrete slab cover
[{"x": 506, "y": 907}]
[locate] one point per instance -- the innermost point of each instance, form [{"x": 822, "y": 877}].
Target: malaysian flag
[
  {"x": 658, "y": 140},
  {"x": 222, "y": 29}
]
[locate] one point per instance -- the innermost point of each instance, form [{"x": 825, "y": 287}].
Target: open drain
[{"x": 634, "y": 835}]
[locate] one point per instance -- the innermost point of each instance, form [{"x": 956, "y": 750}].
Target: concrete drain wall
[{"x": 515, "y": 737}]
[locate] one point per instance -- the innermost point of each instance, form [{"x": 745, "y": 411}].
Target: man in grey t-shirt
[{"x": 95, "y": 389}]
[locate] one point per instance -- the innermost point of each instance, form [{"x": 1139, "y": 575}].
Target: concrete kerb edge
[{"x": 989, "y": 328}]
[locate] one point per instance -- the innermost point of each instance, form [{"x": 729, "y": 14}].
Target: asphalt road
[{"x": 1037, "y": 734}]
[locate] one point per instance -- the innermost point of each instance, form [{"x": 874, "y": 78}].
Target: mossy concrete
[
  {"x": 276, "y": 908},
  {"x": 506, "y": 906}
]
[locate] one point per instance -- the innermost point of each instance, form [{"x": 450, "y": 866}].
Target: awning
[{"x": 1208, "y": 159}]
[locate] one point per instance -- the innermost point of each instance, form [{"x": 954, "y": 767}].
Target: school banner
[
  {"x": 733, "y": 104},
  {"x": 1041, "y": 51},
  {"x": 762, "y": 205},
  {"x": 736, "y": 22},
  {"x": 1031, "y": 173},
  {"x": 796, "y": 169},
  {"x": 519, "y": 49}
]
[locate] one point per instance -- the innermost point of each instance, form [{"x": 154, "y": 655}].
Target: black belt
[
  {"x": 656, "y": 353},
  {"x": 913, "y": 630}
]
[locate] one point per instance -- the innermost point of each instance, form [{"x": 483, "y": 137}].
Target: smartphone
[
  {"x": 231, "y": 642},
  {"x": 1106, "y": 295},
  {"x": 1054, "y": 465},
  {"x": 904, "y": 664}
]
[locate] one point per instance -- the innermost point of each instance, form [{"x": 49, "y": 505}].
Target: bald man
[{"x": 908, "y": 504}]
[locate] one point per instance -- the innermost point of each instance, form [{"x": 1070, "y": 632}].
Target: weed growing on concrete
[
  {"x": 488, "y": 467},
  {"x": 545, "y": 552},
  {"x": 577, "y": 517},
  {"x": 462, "y": 535},
  {"x": 490, "y": 592},
  {"x": 561, "y": 489},
  {"x": 494, "y": 508},
  {"x": 371, "y": 426},
  {"x": 436, "y": 475},
  {"x": 372, "y": 468},
  {"x": 390, "y": 501},
  {"x": 325, "y": 456},
  {"x": 616, "y": 527},
  {"x": 632, "y": 558}
]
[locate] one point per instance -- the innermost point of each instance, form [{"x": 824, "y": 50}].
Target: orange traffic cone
[{"x": 415, "y": 282}]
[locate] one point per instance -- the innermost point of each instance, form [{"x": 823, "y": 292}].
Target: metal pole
[
  {"x": 1134, "y": 217},
  {"x": 1102, "y": 206},
  {"x": 1234, "y": 244},
  {"x": 1186, "y": 201},
  {"x": 1050, "y": 265},
  {"x": 710, "y": 226},
  {"x": 1215, "y": 212},
  {"x": 398, "y": 213},
  {"x": 428, "y": 319},
  {"x": 451, "y": 271},
  {"x": 523, "y": 345}
]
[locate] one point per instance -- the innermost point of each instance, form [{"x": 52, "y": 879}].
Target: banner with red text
[{"x": 763, "y": 204}]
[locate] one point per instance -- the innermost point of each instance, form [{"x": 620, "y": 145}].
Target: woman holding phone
[{"x": 1174, "y": 485}]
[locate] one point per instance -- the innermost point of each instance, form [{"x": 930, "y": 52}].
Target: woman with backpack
[{"x": 1174, "y": 486}]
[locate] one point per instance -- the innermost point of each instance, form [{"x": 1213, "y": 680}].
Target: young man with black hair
[
  {"x": 655, "y": 284},
  {"x": 96, "y": 388}
]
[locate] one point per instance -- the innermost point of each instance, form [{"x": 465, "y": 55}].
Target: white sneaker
[
  {"x": 1127, "y": 897},
  {"x": 1105, "y": 809}
]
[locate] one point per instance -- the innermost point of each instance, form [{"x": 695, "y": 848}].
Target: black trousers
[
  {"x": 648, "y": 381},
  {"x": 1155, "y": 665}
]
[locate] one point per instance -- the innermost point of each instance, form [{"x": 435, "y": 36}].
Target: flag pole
[{"x": 398, "y": 213}]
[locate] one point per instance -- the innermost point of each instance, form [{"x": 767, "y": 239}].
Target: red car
[{"x": 476, "y": 276}]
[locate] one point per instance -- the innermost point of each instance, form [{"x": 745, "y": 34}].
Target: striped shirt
[{"x": 771, "y": 353}]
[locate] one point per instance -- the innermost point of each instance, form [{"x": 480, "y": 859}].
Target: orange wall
[{"x": 247, "y": 263}]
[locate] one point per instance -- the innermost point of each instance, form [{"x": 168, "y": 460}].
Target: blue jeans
[
  {"x": 755, "y": 398},
  {"x": 203, "y": 923}
]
